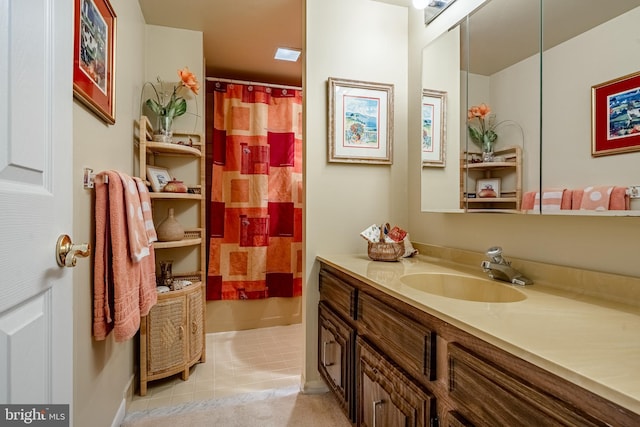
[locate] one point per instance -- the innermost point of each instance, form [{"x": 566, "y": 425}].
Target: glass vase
[{"x": 164, "y": 132}]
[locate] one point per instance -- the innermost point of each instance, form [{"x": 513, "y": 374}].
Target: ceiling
[{"x": 240, "y": 37}]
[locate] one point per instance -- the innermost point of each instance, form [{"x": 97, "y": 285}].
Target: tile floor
[{"x": 236, "y": 362}]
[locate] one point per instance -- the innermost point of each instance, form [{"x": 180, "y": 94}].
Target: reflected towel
[
  {"x": 528, "y": 200},
  {"x": 619, "y": 200},
  {"x": 596, "y": 198},
  {"x": 552, "y": 200}
]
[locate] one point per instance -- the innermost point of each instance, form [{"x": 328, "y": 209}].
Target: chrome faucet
[{"x": 500, "y": 269}]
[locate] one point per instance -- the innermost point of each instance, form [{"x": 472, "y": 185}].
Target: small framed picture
[
  {"x": 488, "y": 188},
  {"x": 158, "y": 177}
]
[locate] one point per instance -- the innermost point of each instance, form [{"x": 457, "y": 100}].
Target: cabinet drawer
[
  {"x": 412, "y": 345},
  {"x": 340, "y": 295},
  {"x": 490, "y": 396},
  {"x": 387, "y": 397}
]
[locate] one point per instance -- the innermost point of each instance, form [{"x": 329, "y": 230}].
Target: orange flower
[{"x": 189, "y": 80}]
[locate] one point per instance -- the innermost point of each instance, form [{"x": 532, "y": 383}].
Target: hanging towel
[
  {"x": 596, "y": 198},
  {"x": 124, "y": 290}
]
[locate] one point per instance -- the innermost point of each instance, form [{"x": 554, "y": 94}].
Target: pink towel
[
  {"x": 596, "y": 198},
  {"x": 123, "y": 289},
  {"x": 147, "y": 215},
  {"x": 138, "y": 238}
]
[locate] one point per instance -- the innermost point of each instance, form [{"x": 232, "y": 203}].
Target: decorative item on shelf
[
  {"x": 175, "y": 186},
  {"x": 170, "y": 229},
  {"x": 167, "y": 105},
  {"x": 194, "y": 190},
  {"x": 485, "y": 134},
  {"x": 166, "y": 274}
]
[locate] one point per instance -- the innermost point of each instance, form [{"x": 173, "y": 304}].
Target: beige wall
[
  {"x": 102, "y": 369},
  {"x": 360, "y": 40}
]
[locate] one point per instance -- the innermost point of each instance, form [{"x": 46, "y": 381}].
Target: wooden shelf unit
[
  {"x": 172, "y": 336},
  {"x": 509, "y": 172}
]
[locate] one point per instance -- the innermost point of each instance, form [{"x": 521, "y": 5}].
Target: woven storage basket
[{"x": 383, "y": 251}]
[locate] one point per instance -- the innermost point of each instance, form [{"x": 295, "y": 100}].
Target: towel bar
[{"x": 89, "y": 178}]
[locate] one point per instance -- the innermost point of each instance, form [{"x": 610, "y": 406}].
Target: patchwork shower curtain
[{"x": 255, "y": 212}]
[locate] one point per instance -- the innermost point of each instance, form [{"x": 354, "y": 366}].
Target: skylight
[{"x": 286, "y": 54}]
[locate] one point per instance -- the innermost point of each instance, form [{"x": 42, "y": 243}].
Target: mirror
[
  {"x": 578, "y": 54},
  {"x": 547, "y": 95}
]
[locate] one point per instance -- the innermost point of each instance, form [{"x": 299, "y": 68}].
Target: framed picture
[
  {"x": 615, "y": 116},
  {"x": 435, "y": 8},
  {"x": 434, "y": 112},
  {"x": 360, "y": 122},
  {"x": 488, "y": 188},
  {"x": 158, "y": 177},
  {"x": 93, "y": 57}
]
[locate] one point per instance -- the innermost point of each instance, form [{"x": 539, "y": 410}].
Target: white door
[{"x": 36, "y": 328}]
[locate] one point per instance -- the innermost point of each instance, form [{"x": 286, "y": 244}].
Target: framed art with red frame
[
  {"x": 615, "y": 116},
  {"x": 93, "y": 57}
]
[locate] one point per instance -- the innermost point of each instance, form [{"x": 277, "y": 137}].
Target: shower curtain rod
[{"x": 242, "y": 82}]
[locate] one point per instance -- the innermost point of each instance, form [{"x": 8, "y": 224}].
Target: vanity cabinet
[
  {"x": 411, "y": 368},
  {"x": 507, "y": 173},
  {"x": 172, "y": 334}
]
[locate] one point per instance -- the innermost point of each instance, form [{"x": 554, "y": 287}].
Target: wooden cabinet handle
[
  {"x": 194, "y": 327},
  {"x": 181, "y": 330},
  {"x": 324, "y": 353},
  {"x": 375, "y": 406}
]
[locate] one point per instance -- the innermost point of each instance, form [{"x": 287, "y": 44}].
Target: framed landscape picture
[{"x": 360, "y": 122}]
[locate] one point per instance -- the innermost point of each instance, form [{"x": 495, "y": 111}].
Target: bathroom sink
[{"x": 462, "y": 287}]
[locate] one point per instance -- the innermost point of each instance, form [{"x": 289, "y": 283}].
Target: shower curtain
[{"x": 255, "y": 209}]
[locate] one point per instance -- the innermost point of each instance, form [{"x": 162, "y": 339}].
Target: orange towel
[
  {"x": 596, "y": 198},
  {"x": 123, "y": 289}
]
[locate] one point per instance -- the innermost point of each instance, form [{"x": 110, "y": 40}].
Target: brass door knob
[{"x": 66, "y": 251}]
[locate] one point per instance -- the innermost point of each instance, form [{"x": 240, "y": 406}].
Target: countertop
[{"x": 588, "y": 341}]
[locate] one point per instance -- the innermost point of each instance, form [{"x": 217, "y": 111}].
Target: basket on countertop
[{"x": 383, "y": 251}]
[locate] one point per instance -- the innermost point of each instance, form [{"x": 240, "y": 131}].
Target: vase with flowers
[
  {"x": 169, "y": 104},
  {"x": 482, "y": 129}
]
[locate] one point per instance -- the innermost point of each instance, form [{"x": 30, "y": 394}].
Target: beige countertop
[{"x": 588, "y": 341}]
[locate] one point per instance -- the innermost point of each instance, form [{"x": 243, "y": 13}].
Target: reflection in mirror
[
  {"x": 440, "y": 186},
  {"x": 503, "y": 105},
  {"x": 598, "y": 45},
  {"x": 498, "y": 65}
]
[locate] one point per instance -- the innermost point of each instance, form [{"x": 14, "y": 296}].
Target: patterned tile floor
[{"x": 237, "y": 362}]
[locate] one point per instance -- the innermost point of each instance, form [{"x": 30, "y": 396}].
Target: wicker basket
[{"x": 383, "y": 251}]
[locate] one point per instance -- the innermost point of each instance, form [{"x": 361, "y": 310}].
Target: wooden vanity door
[{"x": 387, "y": 397}]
